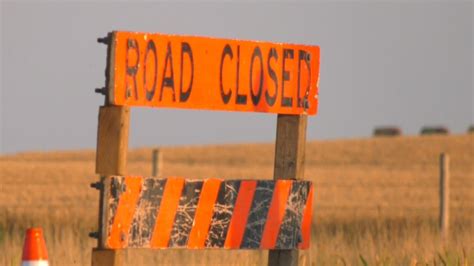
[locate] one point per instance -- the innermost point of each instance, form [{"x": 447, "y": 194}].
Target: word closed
[
  {"x": 159, "y": 70},
  {"x": 175, "y": 212}
]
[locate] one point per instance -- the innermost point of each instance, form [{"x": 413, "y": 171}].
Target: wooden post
[
  {"x": 112, "y": 140},
  {"x": 157, "y": 162},
  {"x": 444, "y": 196},
  {"x": 289, "y": 164},
  {"x": 107, "y": 257},
  {"x": 111, "y": 159}
]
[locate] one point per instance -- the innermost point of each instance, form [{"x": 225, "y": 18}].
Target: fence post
[
  {"x": 444, "y": 195},
  {"x": 157, "y": 162},
  {"x": 289, "y": 164}
]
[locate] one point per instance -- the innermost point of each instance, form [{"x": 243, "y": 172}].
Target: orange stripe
[
  {"x": 167, "y": 212},
  {"x": 126, "y": 208},
  {"x": 238, "y": 222},
  {"x": 204, "y": 211},
  {"x": 275, "y": 213},
  {"x": 306, "y": 223}
]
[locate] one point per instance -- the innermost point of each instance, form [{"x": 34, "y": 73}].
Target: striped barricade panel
[{"x": 147, "y": 212}]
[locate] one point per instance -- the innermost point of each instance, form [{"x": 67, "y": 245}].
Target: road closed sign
[{"x": 171, "y": 71}]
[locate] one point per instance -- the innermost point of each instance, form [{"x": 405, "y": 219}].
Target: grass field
[{"x": 376, "y": 200}]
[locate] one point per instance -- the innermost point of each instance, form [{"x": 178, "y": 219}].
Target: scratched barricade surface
[{"x": 147, "y": 212}]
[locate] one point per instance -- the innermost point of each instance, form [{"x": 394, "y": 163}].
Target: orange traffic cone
[{"x": 34, "y": 249}]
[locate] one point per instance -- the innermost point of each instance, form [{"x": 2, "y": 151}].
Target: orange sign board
[{"x": 158, "y": 70}]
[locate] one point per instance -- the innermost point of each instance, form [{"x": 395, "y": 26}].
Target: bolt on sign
[
  {"x": 147, "y": 212},
  {"x": 158, "y": 70}
]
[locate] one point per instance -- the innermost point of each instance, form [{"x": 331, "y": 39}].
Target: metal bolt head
[
  {"x": 100, "y": 90},
  {"x": 96, "y": 185},
  {"x": 94, "y": 235},
  {"x": 104, "y": 40}
]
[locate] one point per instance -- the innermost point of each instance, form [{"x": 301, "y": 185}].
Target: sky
[{"x": 382, "y": 63}]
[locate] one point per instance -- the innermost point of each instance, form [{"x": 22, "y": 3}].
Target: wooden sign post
[
  {"x": 111, "y": 159},
  {"x": 289, "y": 163},
  {"x": 157, "y": 70}
]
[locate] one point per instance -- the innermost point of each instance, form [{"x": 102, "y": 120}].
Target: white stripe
[{"x": 34, "y": 263}]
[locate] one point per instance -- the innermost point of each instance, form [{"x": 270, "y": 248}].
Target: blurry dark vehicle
[
  {"x": 434, "y": 130},
  {"x": 471, "y": 129},
  {"x": 387, "y": 131}
]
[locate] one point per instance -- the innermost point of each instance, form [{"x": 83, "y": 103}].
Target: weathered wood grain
[{"x": 112, "y": 140}]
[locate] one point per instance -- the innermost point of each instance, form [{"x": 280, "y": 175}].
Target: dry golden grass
[{"x": 376, "y": 200}]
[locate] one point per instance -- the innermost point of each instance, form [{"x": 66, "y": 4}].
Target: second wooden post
[{"x": 289, "y": 164}]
